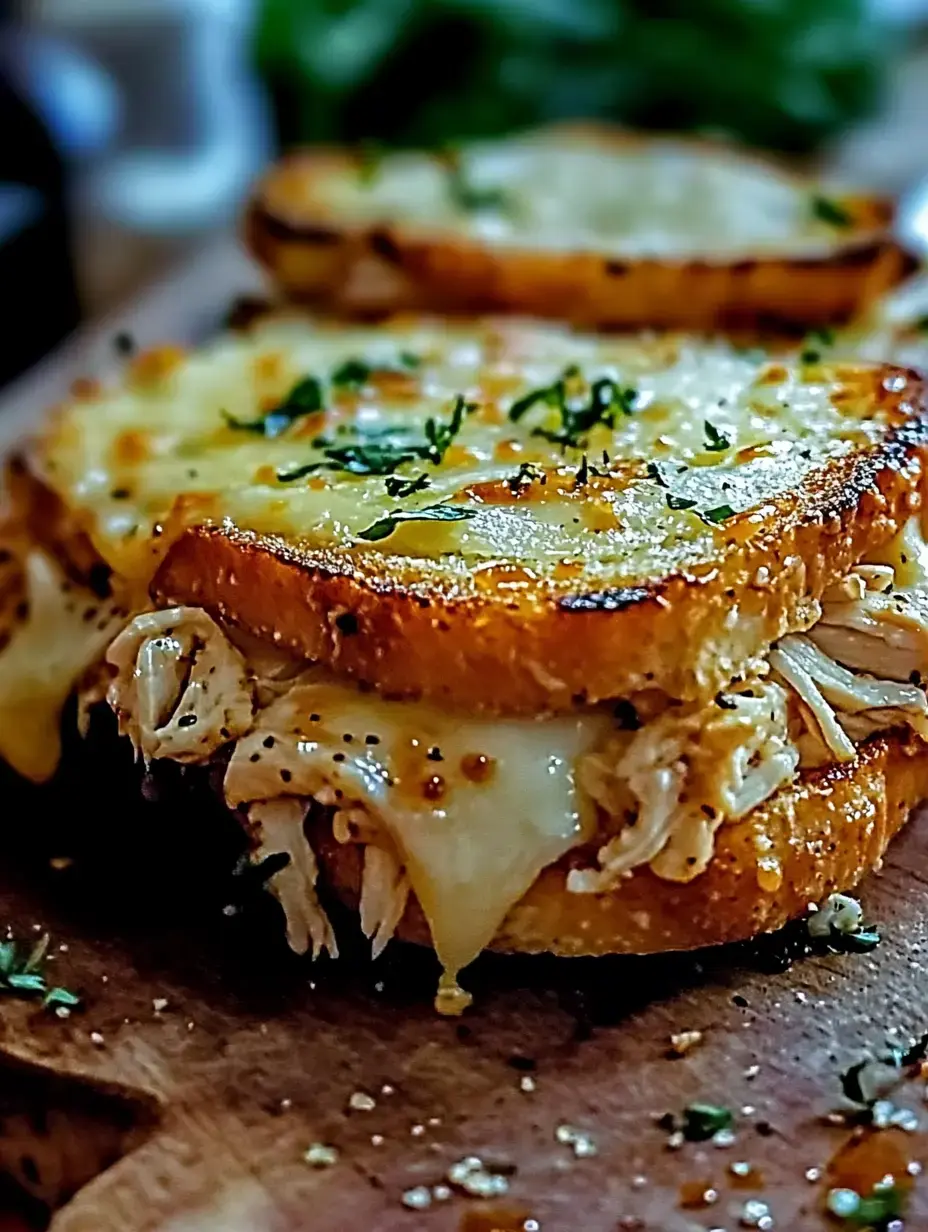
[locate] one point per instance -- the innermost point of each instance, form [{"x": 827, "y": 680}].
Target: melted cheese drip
[
  {"x": 66, "y": 632},
  {"x": 139, "y": 464},
  {"x": 472, "y": 835},
  {"x": 655, "y": 199}
]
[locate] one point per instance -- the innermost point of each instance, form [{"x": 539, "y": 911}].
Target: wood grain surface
[{"x": 205, "y": 1059}]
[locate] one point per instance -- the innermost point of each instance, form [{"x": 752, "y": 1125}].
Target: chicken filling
[{"x": 467, "y": 812}]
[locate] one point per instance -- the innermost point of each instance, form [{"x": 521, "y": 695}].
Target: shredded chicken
[
  {"x": 181, "y": 688},
  {"x": 884, "y": 634},
  {"x": 687, "y": 775},
  {"x": 277, "y": 826},
  {"x": 384, "y": 891}
]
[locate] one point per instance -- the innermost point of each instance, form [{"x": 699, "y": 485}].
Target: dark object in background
[
  {"x": 783, "y": 74},
  {"x": 36, "y": 269}
]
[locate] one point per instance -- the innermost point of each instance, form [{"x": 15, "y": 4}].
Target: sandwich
[
  {"x": 576, "y": 222},
  {"x": 504, "y": 635}
]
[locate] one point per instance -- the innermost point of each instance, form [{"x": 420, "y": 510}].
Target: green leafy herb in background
[{"x": 785, "y": 74}]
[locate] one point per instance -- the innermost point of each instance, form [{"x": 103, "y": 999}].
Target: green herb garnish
[
  {"x": 527, "y": 474},
  {"x": 385, "y": 526},
  {"x": 703, "y": 1121},
  {"x": 303, "y": 399},
  {"x": 440, "y": 435},
  {"x": 679, "y": 502},
  {"x": 352, "y": 374},
  {"x": 921, "y": 324},
  {"x": 877, "y": 1210},
  {"x": 21, "y": 974},
  {"x": 467, "y": 195},
  {"x": 815, "y": 340},
  {"x": 716, "y": 442},
  {"x": 384, "y": 457},
  {"x": 721, "y": 513},
  {"x": 826, "y": 209},
  {"x": 405, "y": 487},
  {"x": 607, "y": 399}
]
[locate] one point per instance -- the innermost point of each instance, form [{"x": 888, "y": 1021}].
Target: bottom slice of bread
[{"x": 822, "y": 834}]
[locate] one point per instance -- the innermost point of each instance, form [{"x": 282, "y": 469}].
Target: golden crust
[
  {"x": 314, "y": 253},
  {"x": 824, "y": 833},
  {"x": 553, "y": 647}
]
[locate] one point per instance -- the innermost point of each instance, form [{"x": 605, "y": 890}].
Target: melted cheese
[
  {"x": 140, "y": 463},
  {"x": 649, "y": 199},
  {"x": 66, "y": 632},
  {"x": 473, "y": 809}
]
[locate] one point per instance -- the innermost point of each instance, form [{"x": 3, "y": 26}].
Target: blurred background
[{"x": 131, "y": 129}]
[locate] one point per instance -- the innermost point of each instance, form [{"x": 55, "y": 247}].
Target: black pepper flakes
[
  {"x": 187, "y": 720},
  {"x": 347, "y": 623},
  {"x": 434, "y": 753},
  {"x": 372, "y": 740},
  {"x": 269, "y": 742},
  {"x": 285, "y": 776},
  {"x": 315, "y": 718},
  {"x": 338, "y": 757}
]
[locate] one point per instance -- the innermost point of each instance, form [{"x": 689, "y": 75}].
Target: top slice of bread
[
  {"x": 699, "y": 520},
  {"x": 581, "y": 223}
]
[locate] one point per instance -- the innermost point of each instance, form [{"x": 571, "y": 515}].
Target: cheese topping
[
  {"x": 66, "y": 632},
  {"x": 554, "y": 191},
  {"x": 143, "y": 462},
  {"x": 471, "y": 809}
]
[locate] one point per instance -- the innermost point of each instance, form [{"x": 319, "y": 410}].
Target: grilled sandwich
[
  {"x": 508, "y": 635},
  {"x": 575, "y": 222}
]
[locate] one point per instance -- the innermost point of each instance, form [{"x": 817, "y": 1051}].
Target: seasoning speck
[
  {"x": 320, "y": 1156},
  {"x": 756, "y": 1214},
  {"x": 683, "y": 1042},
  {"x": 527, "y": 1084},
  {"x": 471, "y": 1175},
  {"x": 360, "y": 1101},
  {"x": 418, "y": 1199},
  {"x": 582, "y": 1143}
]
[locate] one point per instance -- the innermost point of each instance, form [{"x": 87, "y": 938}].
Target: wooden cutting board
[{"x": 205, "y": 1059}]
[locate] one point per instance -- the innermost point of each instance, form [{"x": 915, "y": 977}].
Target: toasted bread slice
[
  {"x": 696, "y": 522},
  {"x": 581, "y": 223},
  {"x": 821, "y": 834}
]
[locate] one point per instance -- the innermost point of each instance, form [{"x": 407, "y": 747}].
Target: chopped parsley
[
  {"x": 607, "y": 399},
  {"x": 21, "y": 975},
  {"x": 467, "y": 195},
  {"x": 354, "y": 373},
  {"x": 405, "y": 487},
  {"x": 679, "y": 502},
  {"x": 811, "y": 352},
  {"x": 703, "y": 1121},
  {"x": 721, "y": 513},
  {"x": 826, "y": 209},
  {"x": 303, "y": 399},
  {"x": 716, "y": 442},
  {"x": 878, "y": 1210},
  {"x": 380, "y": 457},
  {"x": 699, "y": 1122},
  {"x": 921, "y": 324},
  {"x": 440, "y": 435},
  {"x": 385, "y": 526},
  {"x": 527, "y": 474}
]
